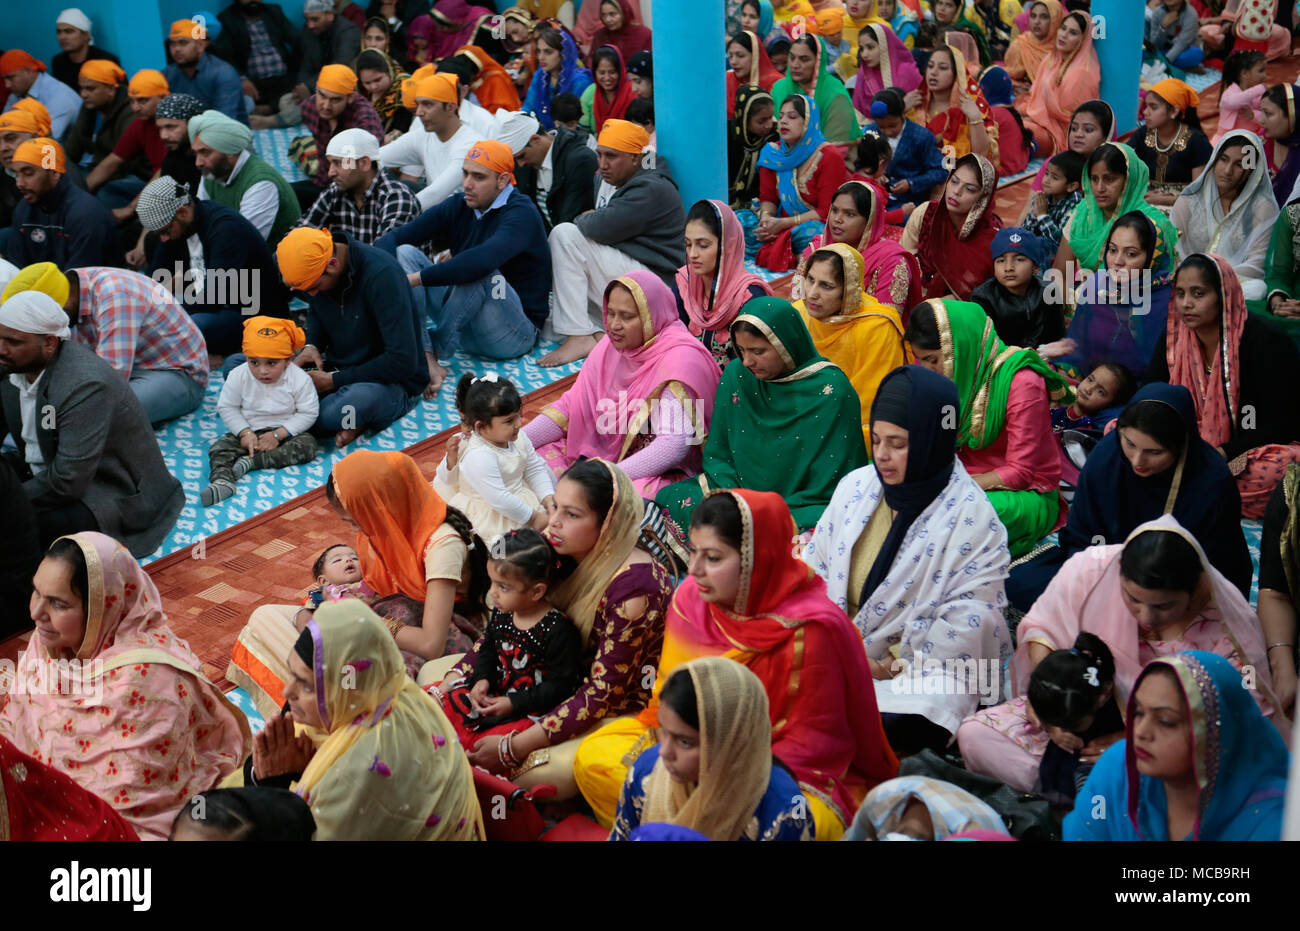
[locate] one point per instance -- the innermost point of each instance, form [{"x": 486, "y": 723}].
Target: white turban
[
  {"x": 514, "y": 128},
  {"x": 354, "y": 143},
  {"x": 35, "y": 312},
  {"x": 74, "y": 17}
]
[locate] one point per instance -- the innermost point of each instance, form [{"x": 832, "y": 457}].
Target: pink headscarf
[
  {"x": 1062, "y": 83},
  {"x": 731, "y": 282},
  {"x": 457, "y": 12},
  {"x": 897, "y": 69}
]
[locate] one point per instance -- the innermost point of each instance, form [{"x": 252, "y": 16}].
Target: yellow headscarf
[{"x": 42, "y": 276}]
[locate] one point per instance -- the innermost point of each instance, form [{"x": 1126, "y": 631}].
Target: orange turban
[
  {"x": 1176, "y": 93},
  {"x": 623, "y": 136},
  {"x": 19, "y": 121},
  {"x": 303, "y": 255},
  {"x": 496, "y": 156},
  {"x": 102, "y": 71},
  {"x": 337, "y": 79},
  {"x": 272, "y": 338},
  {"x": 830, "y": 21},
  {"x": 409, "y": 84},
  {"x": 188, "y": 29},
  {"x": 148, "y": 83},
  {"x": 424, "y": 71},
  {"x": 16, "y": 59},
  {"x": 43, "y": 152},
  {"x": 38, "y": 110},
  {"x": 441, "y": 87}
]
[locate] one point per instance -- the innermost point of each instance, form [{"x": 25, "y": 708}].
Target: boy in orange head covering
[{"x": 268, "y": 404}]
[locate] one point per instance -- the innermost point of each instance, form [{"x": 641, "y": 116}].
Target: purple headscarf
[{"x": 897, "y": 68}]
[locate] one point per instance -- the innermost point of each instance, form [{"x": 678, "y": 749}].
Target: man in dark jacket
[
  {"x": 640, "y": 227},
  {"x": 16, "y": 127},
  {"x": 262, "y": 45},
  {"x": 57, "y": 221},
  {"x": 556, "y": 170},
  {"x": 363, "y": 331},
  {"x": 328, "y": 39},
  {"x": 72, "y": 30},
  {"x": 105, "y": 114}
]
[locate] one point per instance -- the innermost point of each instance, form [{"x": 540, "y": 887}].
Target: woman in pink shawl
[
  {"x": 1069, "y": 76},
  {"x": 106, "y": 693},
  {"x": 891, "y": 274},
  {"x": 884, "y": 61},
  {"x": 587, "y": 23},
  {"x": 455, "y": 22},
  {"x": 644, "y": 397},
  {"x": 1153, "y": 595},
  {"x": 713, "y": 284}
]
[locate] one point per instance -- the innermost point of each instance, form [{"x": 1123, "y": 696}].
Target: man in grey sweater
[{"x": 639, "y": 228}]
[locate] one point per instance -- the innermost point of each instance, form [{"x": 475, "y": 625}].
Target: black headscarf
[{"x": 743, "y": 148}]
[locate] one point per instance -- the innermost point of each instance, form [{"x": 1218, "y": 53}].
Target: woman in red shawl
[
  {"x": 952, "y": 235},
  {"x": 38, "y": 802},
  {"x": 748, "y": 67},
  {"x": 609, "y": 93},
  {"x": 750, "y": 599},
  {"x": 619, "y": 28}
]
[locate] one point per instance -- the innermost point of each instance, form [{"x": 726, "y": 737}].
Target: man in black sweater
[
  {"x": 555, "y": 169},
  {"x": 262, "y": 45},
  {"x": 72, "y": 29}
]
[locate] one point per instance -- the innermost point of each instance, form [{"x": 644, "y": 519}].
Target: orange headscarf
[
  {"x": 16, "y": 59},
  {"x": 1062, "y": 84},
  {"x": 441, "y": 87},
  {"x": 1026, "y": 54},
  {"x": 19, "y": 121},
  {"x": 623, "y": 136},
  {"x": 272, "y": 338},
  {"x": 303, "y": 254},
  {"x": 102, "y": 71},
  {"x": 397, "y": 511},
  {"x": 147, "y": 83},
  {"x": 42, "y": 152},
  {"x": 39, "y": 111},
  {"x": 337, "y": 79},
  {"x": 188, "y": 29},
  {"x": 495, "y": 156},
  {"x": 1176, "y": 93},
  {"x": 493, "y": 88}
]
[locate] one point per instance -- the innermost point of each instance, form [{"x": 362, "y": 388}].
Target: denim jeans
[
  {"x": 366, "y": 406},
  {"x": 120, "y": 191},
  {"x": 166, "y": 394},
  {"x": 484, "y": 317},
  {"x": 223, "y": 330}
]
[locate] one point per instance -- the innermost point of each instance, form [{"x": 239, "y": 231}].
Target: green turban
[{"x": 227, "y": 136}]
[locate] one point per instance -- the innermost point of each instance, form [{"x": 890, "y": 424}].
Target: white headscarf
[
  {"x": 35, "y": 312},
  {"x": 514, "y": 128}
]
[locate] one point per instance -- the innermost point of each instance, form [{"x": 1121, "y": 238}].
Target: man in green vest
[{"x": 235, "y": 177}]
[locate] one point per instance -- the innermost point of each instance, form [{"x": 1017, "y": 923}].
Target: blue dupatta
[
  {"x": 785, "y": 161},
  {"x": 574, "y": 79}
]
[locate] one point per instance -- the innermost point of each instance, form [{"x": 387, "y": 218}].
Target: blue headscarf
[
  {"x": 574, "y": 79},
  {"x": 1239, "y": 760},
  {"x": 997, "y": 87},
  {"x": 766, "y": 19},
  {"x": 662, "y": 831},
  {"x": 783, "y": 159}
]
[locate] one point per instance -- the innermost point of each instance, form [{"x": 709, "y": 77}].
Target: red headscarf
[
  {"x": 37, "y": 802},
  {"x": 956, "y": 261},
  {"x": 624, "y": 95},
  {"x": 714, "y": 305}
]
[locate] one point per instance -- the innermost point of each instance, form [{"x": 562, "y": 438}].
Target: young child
[
  {"x": 529, "y": 659},
  {"x": 1050, "y": 208},
  {"x": 268, "y": 404},
  {"x": 566, "y": 110},
  {"x": 1096, "y": 399},
  {"x": 496, "y": 477},
  {"x": 916, "y": 166},
  {"x": 1014, "y": 297},
  {"x": 1072, "y": 696},
  {"x": 1245, "y": 80},
  {"x": 337, "y": 572}
]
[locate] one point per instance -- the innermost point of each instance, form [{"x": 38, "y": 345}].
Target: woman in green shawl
[
  {"x": 807, "y": 74},
  {"x": 1281, "y": 305},
  {"x": 1004, "y": 432},
  {"x": 1114, "y": 184},
  {"x": 785, "y": 420}
]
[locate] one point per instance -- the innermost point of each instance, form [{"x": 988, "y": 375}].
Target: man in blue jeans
[
  {"x": 490, "y": 297},
  {"x": 363, "y": 331}
]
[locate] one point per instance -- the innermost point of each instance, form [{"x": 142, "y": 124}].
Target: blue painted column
[
  {"x": 1120, "y": 53},
  {"x": 690, "y": 95}
]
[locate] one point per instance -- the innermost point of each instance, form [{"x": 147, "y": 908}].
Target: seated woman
[
  {"x": 621, "y": 28},
  {"x": 1070, "y": 75},
  {"x": 751, "y": 600},
  {"x": 1153, "y": 463},
  {"x": 857, "y": 333},
  {"x": 1155, "y": 783},
  {"x": 1153, "y": 595},
  {"x": 558, "y": 72},
  {"x": 1230, "y": 211},
  {"x": 789, "y": 420},
  {"x": 916, "y": 514},
  {"x": 491, "y": 84},
  {"x": 1004, "y": 437},
  {"x": 901, "y": 17},
  {"x": 417, "y": 554},
  {"x": 713, "y": 284},
  {"x": 921, "y": 808},
  {"x": 159, "y": 732},
  {"x": 752, "y": 126},
  {"x": 381, "y": 79},
  {"x": 1282, "y": 139},
  {"x": 749, "y": 67},
  {"x": 39, "y": 803},
  {"x": 1281, "y": 305},
  {"x": 1031, "y": 48},
  {"x": 712, "y": 770},
  {"x": 951, "y": 13},
  {"x": 808, "y": 75},
  {"x": 951, "y": 105},
  {"x": 1173, "y": 146},
  {"x": 797, "y": 178},
  {"x": 1279, "y": 582},
  {"x": 915, "y": 164},
  {"x": 607, "y": 97},
  {"x": 389, "y": 766},
  {"x": 1229, "y": 360},
  {"x": 1091, "y": 124},
  {"x": 1114, "y": 183},
  {"x": 952, "y": 235},
  {"x": 644, "y": 397},
  {"x": 883, "y": 61},
  {"x": 857, "y": 218}
]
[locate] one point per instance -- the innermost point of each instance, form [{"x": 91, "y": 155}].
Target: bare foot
[
  {"x": 437, "y": 375},
  {"x": 344, "y": 437},
  {"x": 571, "y": 350}
]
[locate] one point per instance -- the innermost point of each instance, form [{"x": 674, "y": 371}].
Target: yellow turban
[
  {"x": 39, "y": 111},
  {"x": 440, "y": 87},
  {"x": 44, "y": 277},
  {"x": 623, "y": 136},
  {"x": 272, "y": 338},
  {"x": 103, "y": 71},
  {"x": 337, "y": 79},
  {"x": 830, "y": 22},
  {"x": 409, "y": 84},
  {"x": 19, "y": 121},
  {"x": 42, "y": 152},
  {"x": 303, "y": 255},
  {"x": 148, "y": 83},
  {"x": 188, "y": 29},
  {"x": 495, "y": 156}
]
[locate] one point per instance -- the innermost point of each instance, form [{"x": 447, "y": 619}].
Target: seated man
[
  {"x": 490, "y": 296},
  {"x": 363, "y": 331},
  {"x": 361, "y": 200},
  {"x": 104, "y": 116},
  {"x": 101, "y": 468},
  {"x": 193, "y": 71},
  {"x": 556, "y": 169},
  {"x": 72, "y": 30},
  {"x": 138, "y": 154},
  {"x": 171, "y": 118},
  {"x": 24, "y": 76},
  {"x": 326, "y": 39},
  {"x": 16, "y": 127},
  {"x": 335, "y": 106},
  {"x": 443, "y": 145},
  {"x": 236, "y": 177},
  {"x": 640, "y": 227},
  {"x": 57, "y": 221},
  {"x": 262, "y": 45},
  {"x": 133, "y": 326},
  {"x": 212, "y": 260},
  {"x": 471, "y": 114}
]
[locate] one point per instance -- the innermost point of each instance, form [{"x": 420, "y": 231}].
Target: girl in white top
[{"x": 493, "y": 474}]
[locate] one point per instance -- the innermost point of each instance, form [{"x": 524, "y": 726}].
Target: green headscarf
[
  {"x": 838, "y": 120},
  {"x": 982, "y": 367},
  {"x": 1089, "y": 226},
  {"x": 227, "y": 136},
  {"x": 796, "y": 435}
]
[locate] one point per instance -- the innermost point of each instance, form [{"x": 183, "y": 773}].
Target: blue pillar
[
  {"x": 1122, "y": 23},
  {"x": 690, "y": 96}
]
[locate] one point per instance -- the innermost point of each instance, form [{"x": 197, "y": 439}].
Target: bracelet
[
  {"x": 1279, "y": 644},
  {"x": 506, "y": 754},
  {"x": 394, "y": 626}
]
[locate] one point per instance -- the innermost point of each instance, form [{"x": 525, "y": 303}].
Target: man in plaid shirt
[
  {"x": 135, "y": 325},
  {"x": 361, "y": 200},
  {"x": 335, "y": 106}
]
